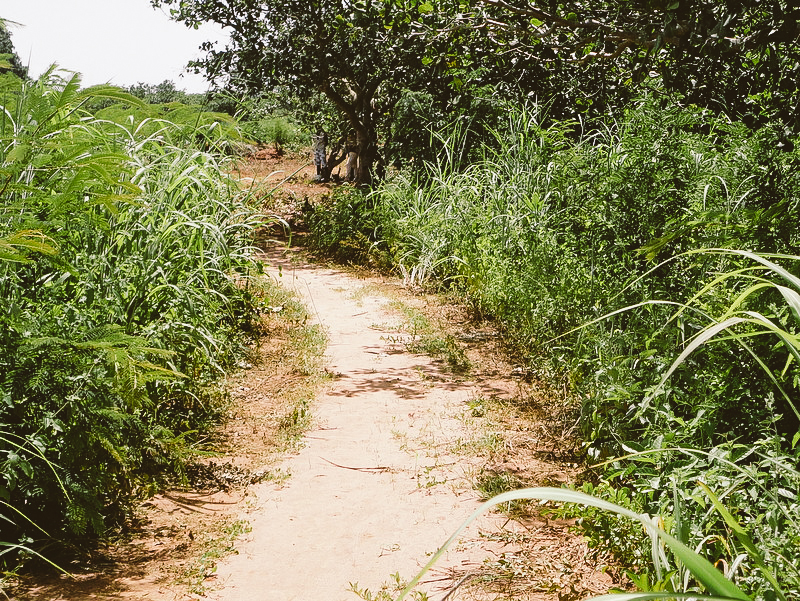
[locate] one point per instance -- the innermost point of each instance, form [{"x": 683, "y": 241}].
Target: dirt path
[
  {"x": 384, "y": 475},
  {"x": 375, "y": 488}
]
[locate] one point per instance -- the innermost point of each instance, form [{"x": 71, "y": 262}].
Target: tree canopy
[
  {"x": 360, "y": 56},
  {"x": 741, "y": 57},
  {"x": 373, "y": 59}
]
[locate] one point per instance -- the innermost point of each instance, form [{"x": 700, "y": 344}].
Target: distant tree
[
  {"x": 359, "y": 56},
  {"x": 9, "y": 61},
  {"x": 162, "y": 93}
]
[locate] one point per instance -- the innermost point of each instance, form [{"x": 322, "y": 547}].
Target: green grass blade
[
  {"x": 703, "y": 337},
  {"x": 14, "y": 547},
  {"x": 745, "y": 539},
  {"x": 792, "y": 298},
  {"x": 700, "y": 567}
]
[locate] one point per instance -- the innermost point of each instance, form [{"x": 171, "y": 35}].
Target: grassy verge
[
  {"x": 216, "y": 544},
  {"x": 124, "y": 257},
  {"x": 270, "y": 408}
]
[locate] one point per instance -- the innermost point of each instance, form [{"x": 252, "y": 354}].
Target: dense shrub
[{"x": 123, "y": 258}]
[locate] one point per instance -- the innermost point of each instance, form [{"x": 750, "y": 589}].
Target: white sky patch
[{"x": 122, "y": 42}]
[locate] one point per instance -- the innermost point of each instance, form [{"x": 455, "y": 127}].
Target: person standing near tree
[
  {"x": 318, "y": 148},
  {"x": 352, "y": 158}
]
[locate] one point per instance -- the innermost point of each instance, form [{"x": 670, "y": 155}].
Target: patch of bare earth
[
  {"x": 283, "y": 180},
  {"x": 516, "y": 432},
  {"x": 397, "y": 447}
]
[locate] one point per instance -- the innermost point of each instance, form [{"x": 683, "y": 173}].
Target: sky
[{"x": 122, "y": 42}]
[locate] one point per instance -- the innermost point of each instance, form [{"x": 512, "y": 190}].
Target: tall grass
[
  {"x": 710, "y": 583},
  {"x": 560, "y": 224},
  {"x": 124, "y": 258}
]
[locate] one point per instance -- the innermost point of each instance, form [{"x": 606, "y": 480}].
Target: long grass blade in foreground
[{"x": 719, "y": 586}]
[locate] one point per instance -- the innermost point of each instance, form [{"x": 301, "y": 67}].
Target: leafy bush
[
  {"x": 278, "y": 131},
  {"x": 274, "y": 118},
  {"x": 179, "y": 124},
  {"x": 555, "y": 232},
  {"x": 123, "y": 266},
  {"x": 348, "y": 228}
]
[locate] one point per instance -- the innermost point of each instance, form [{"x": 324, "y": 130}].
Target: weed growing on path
[
  {"x": 387, "y": 591},
  {"x": 197, "y": 574},
  {"x": 430, "y": 339}
]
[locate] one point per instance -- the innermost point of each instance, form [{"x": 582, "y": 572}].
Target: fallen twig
[{"x": 358, "y": 469}]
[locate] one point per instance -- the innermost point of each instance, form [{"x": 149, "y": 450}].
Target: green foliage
[
  {"x": 124, "y": 261},
  {"x": 387, "y": 70},
  {"x": 362, "y": 69},
  {"x": 748, "y": 525},
  {"x": 667, "y": 553},
  {"x": 735, "y": 57},
  {"x": 273, "y": 117},
  {"x": 276, "y": 130},
  {"x": 348, "y": 228},
  {"x": 9, "y": 60},
  {"x": 419, "y": 117},
  {"x": 175, "y": 122},
  {"x": 555, "y": 232},
  {"x": 164, "y": 93}
]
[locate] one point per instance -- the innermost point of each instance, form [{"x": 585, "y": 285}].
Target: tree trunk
[
  {"x": 359, "y": 113},
  {"x": 365, "y": 148},
  {"x": 334, "y": 158}
]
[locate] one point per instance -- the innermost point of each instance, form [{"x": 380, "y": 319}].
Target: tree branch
[{"x": 623, "y": 38}]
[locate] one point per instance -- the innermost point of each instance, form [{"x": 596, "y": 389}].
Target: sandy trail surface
[
  {"x": 374, "y": 489},
  {"x": 380, "y": 481}
]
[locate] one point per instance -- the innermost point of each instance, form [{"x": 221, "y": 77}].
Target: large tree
[
  {"x": 361, "y": 56},
  {"x": 741, "y": 57}
]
